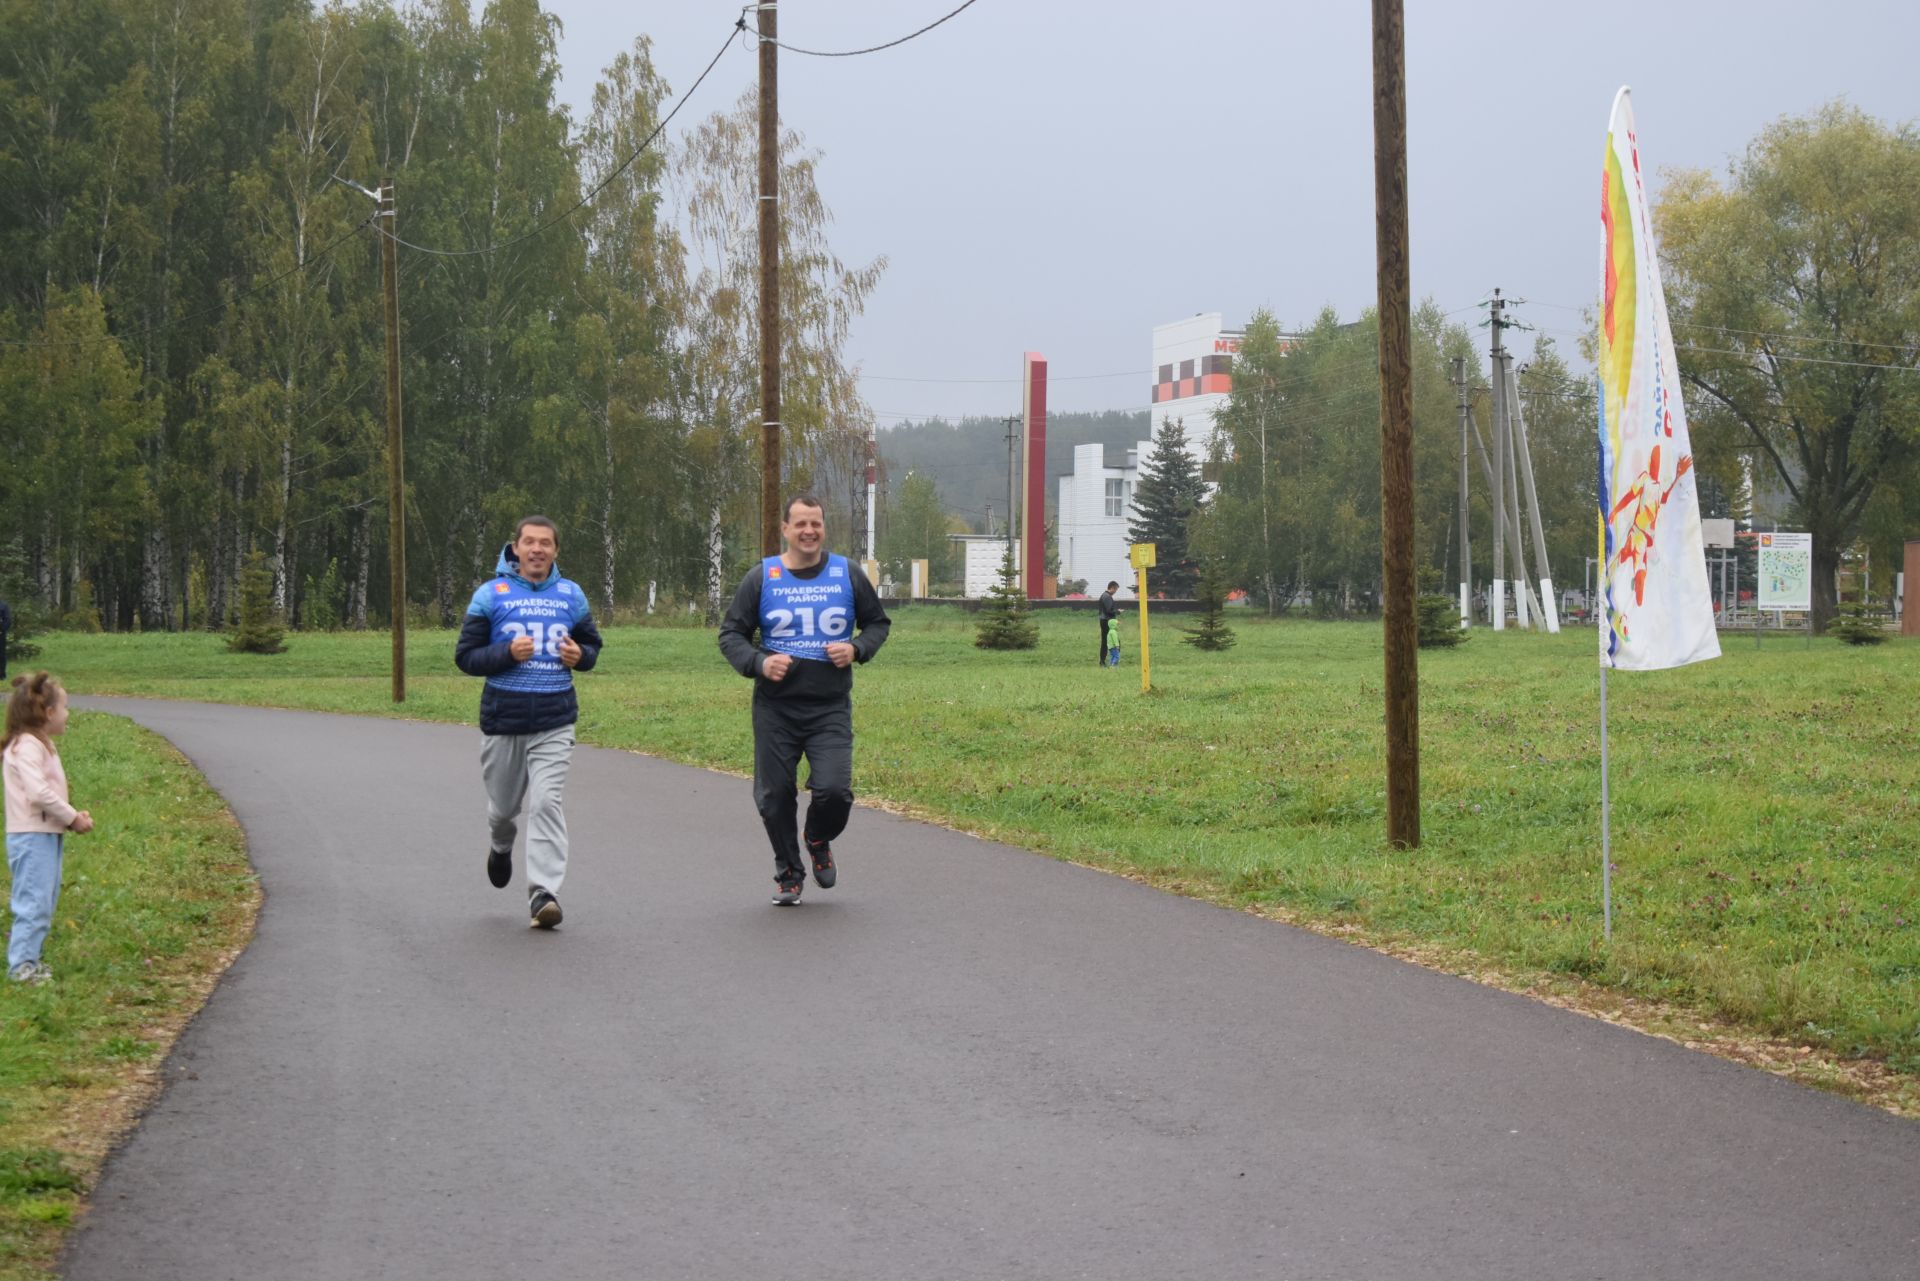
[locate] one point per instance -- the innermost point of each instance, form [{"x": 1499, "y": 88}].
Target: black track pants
[{"x": 782, "y": 733}]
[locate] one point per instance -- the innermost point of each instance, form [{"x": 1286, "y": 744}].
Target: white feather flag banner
[{"x": 1655, "y": 606}]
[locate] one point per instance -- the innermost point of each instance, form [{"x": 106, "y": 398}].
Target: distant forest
[{"x": 968, "y": 459}]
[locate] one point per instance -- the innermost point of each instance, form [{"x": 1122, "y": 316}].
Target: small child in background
[
  {"x": 38, "y": 817},
  {"x": 1113, "y": 642}
]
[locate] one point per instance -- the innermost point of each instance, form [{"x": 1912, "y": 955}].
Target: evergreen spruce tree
[
  {"x": 1006, "y": 623},
  {"x": 1436, "y": 614},
  {"x": 1169, "y": 494},
  {"x": 1210, "y": 631},
  {"x": 1439, "y": 622},
  {"x": 1854, "y": 627},
  {"x": 258, "y": 631}
]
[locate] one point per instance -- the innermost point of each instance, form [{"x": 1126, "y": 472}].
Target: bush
[
  {"x": 1439, "y": 620},
  {"x": 324, "y": 597},
  {"x": 80, "y": 614},
  {"x": 259, "y": 630}
]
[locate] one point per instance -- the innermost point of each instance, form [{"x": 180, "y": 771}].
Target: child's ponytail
[{"x": 30, "y": 707}]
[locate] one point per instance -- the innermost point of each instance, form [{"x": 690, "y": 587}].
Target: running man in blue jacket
[{"x": 527, "y": 631}]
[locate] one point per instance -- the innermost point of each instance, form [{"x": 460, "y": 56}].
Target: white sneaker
[{"x": 31, "y": 972}]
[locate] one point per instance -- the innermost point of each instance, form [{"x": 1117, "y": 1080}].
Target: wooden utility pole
[
  {"x": 769, "y": 282},
  {"x": 396, "y": 456},
  {"x": 1396, "y": 423}
]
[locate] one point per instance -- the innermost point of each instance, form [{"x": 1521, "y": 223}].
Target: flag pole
[
  {"x": 1603, "y": 597},
  {"x": 1606, "y": 827}
]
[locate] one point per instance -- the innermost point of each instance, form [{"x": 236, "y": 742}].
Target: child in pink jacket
[{"x": 38, "y": 817}]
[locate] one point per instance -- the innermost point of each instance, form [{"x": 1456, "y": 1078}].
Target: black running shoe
[
  {"x": 545, "y": 909},
  {"x": 788, "y": 895},
  {"x": 499, "y": 867},
  {"x": 822, "y": 855}
]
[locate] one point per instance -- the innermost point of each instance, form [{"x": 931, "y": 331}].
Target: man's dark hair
[
  {"x": 521, "y": 528},
  {"x": 1115, "y": 583},
  {"x": 803, "y": 500}
]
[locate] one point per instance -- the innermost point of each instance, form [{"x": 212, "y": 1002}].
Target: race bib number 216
[{"x": 790, "y": 623}]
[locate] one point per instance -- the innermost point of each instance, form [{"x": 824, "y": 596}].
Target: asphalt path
[{"x": 965, "y": 1061}]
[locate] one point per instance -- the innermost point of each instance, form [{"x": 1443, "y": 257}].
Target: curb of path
[{"x": 1867, "y": 1081}]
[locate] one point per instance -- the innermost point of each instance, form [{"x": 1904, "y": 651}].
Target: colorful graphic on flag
[{"x": 1655, "y": 607}]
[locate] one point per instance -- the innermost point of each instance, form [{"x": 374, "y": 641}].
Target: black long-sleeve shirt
[{"x": 808, "y": 679}]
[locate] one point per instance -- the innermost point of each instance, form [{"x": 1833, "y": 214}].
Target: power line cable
[
  {"x": 855, "y": 53},
  {"x": 599, "y": 187},
  {"x": 1804, "y": 360},
  {"x": 1758, "y": 333},
  {"x": 1754, "y": 333},
  {"x": 1768, "y": 355}
]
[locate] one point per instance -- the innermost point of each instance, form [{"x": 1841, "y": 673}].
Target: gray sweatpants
[{"x": 530, "y": 769}]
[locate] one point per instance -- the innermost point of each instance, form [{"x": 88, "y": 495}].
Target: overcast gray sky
[{"x": 1062, "y": 176}]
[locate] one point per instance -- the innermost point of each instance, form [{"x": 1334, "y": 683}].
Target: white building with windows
[
  {"x": 1193, "y": 376},
  {"x": 1095, "y": 500}
]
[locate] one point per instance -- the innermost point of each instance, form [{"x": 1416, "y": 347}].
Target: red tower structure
[{"x": 1033, "y": 507}]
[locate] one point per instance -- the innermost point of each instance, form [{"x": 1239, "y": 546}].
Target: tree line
[
  {"x": 1297, "y": 514},
  {"x": 192, "y": 363},
  {"x": 192, "y": 359}
]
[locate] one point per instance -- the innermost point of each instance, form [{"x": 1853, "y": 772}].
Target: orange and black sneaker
[
  {"x": 787, "y": 894},
  {"x": 821, "y": 852}
]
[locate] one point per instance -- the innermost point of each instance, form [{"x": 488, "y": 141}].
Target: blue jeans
[{"x": 34, "y": 860}]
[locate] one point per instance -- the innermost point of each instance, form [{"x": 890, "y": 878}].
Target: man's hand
[
  {"x": 840, "y": 653},
  {"x": 569, "y": 651},
  {"x": 774, "y": 666},
  {"x": 521, "y": 649},
  {"x": 82, "y": 822}
]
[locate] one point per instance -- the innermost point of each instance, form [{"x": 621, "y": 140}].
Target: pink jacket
[{"x": 36, "y": 785}]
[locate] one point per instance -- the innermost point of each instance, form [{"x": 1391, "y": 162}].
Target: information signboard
[{"x": 1786, "y": 571}]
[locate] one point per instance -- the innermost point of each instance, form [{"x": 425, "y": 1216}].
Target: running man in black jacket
[{"x": 815, "y": 616}]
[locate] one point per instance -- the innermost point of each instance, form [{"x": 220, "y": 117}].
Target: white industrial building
[
  {"x": 1193, "y": 376},
  {"x": 984, "y": 561}
]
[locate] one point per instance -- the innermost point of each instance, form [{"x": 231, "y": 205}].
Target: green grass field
[
  {"x": 154, "y": 901},
  {"x": 1766, "y": 806}
]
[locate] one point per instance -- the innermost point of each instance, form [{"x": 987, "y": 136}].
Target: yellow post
[{"x": 1141, "y": 555}]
